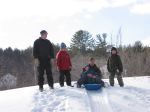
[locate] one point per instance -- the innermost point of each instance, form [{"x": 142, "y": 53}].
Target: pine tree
[{"x": 82, "y": 40}]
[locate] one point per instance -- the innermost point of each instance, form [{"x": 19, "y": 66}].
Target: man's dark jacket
[{"x": 43, "y": 49}]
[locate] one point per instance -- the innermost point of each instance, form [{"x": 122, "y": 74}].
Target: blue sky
[{"x": 22, "y": 20}]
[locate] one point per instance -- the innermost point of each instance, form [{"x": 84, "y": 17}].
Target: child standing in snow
[
  {"x": 64, "y": 65},
  {"x": 114, "y": 66},
  {"x": 91, "y": 74}
]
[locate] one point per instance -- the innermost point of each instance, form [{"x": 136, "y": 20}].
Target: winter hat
[
  {"x": 113, "y": 48},
  {"x": 43, "y": 32},
  {"x": 63, "y": 45}
]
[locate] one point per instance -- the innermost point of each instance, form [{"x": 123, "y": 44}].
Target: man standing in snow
[
  {"x": 114, "y": 66},
  {"x": 43, "y": 54},
  {"x": 64, "y": 65}
]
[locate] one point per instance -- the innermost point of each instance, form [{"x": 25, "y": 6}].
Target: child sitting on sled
[{"x": 91, "y": 74}]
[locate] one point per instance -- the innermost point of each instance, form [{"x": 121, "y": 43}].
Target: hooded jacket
[
  {"x": 114, "y": 62},
  {"x": 63, "y": 60}
]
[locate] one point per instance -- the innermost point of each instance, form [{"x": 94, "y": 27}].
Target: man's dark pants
[{"x": 45, "y": 66}]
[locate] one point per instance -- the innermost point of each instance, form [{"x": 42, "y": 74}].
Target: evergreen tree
[{"x": 82, "y": 40}]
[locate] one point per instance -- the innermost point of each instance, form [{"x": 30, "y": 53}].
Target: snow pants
[
  {"x": 119, "y": 78},
  {"x": 64, "y": 74}
]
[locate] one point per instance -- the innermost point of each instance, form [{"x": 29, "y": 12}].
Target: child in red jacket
[{"x": 64, "y": 65}]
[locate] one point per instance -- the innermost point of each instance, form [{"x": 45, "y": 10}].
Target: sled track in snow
[{"x": 99, "y": 101}]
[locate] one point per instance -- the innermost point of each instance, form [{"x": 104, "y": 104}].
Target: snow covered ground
[{"x": 134, "y": 97}]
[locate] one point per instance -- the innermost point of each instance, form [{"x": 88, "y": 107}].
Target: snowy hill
[{"x": 134, "y": 97}]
